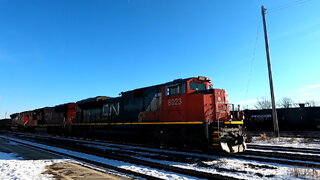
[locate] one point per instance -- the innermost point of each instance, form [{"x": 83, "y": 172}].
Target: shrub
[{"x": 305, "y": 173}]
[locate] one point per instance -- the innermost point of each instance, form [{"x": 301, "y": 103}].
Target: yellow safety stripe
[
  {"x": 215, "y": 144},
  {"x": 131, "y": 123},
  {"x": 233, "y": 122},
  {"x": 215, "y": 132},
  {"x": 138, "y": 123}
]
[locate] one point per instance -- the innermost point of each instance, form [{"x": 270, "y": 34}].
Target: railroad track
[
  {"x": 121, "y": 156},
  {"x": 158, "y": 157},
  {"x": 300, "y": 155},
  {"x": 283, "y": 148},
  {"x": 85, "y": 160},
  {"x": 286, "y": 155}
]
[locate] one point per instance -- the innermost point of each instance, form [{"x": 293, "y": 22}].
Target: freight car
[
  {"x": 184, "y": 111},
  {"x": 5, "y": 124},
  {"x": 289, "y": 119}
]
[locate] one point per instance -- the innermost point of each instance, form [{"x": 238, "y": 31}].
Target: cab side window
[{"x": 175, "y": 89}]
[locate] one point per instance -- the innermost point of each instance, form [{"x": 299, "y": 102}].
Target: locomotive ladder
[{"x": 213, "y": 138}]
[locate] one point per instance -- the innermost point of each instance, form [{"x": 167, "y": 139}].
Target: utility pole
[{"x": 274, "y": 112}]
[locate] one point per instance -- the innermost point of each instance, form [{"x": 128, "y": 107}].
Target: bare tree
[
  {"x": 263, "y": 103},
  {"x": 285, "y": 102},
  {"x": 311, "y": 103},
  {"x": 296, "y": 105}
]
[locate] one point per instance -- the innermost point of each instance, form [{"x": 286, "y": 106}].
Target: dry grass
[
  {"x": 264, "y": 137},
  {"x": 305, "y": 173}
]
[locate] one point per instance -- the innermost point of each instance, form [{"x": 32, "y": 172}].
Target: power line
[
  {"x": 252, "y": 60},
  {"x": 288, "y": 5}
]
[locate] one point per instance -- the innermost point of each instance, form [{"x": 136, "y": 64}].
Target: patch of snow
[
  {"x": 248, "y": 169},
  {"x": 273, "y": 158},
  {"x": 242, "y": 169},
  {"x": 124, "y": 165},
  {"x": 13, "y": 167},
  {"x": 307, "y": 143},
  {"x": 258, "y": 170},
  {"x": 283, "y": 152},
  {"x": 159, "y": 173}
]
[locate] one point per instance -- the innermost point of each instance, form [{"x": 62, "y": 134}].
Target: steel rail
[{"x": 106, "y": 154}]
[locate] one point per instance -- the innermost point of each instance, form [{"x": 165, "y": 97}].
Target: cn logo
[{"x": 174, "y": 102}]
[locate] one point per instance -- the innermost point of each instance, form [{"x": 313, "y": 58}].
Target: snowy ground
[
  {"x": 232, "y": 167},
  {"x": 14, "y": 167},
  {"x": 246, "y": 169},
  {"x": 124, "y": 165},
  {"x": 309, "y": 143}
]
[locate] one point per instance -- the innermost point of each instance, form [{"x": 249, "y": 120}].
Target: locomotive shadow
[{"x": 13, "y": 151}]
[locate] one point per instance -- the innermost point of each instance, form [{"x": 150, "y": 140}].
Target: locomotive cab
[
  {"x": 224, "y": 130},
  {"x": 194, "y": 101}
]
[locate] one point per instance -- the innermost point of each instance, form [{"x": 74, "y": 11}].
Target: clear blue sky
[{"x": 59, "y": 51}]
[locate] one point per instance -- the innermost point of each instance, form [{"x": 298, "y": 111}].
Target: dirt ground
[{"x": 68, "y": 171}]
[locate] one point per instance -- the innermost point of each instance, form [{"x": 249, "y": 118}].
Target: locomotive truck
[{"x": 187, "y": 111}]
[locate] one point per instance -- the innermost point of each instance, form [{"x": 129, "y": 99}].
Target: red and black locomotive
[{"x": 184, "y": 111}]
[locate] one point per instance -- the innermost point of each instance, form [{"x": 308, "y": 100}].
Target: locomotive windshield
[{"x": 197, "y": 86}]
